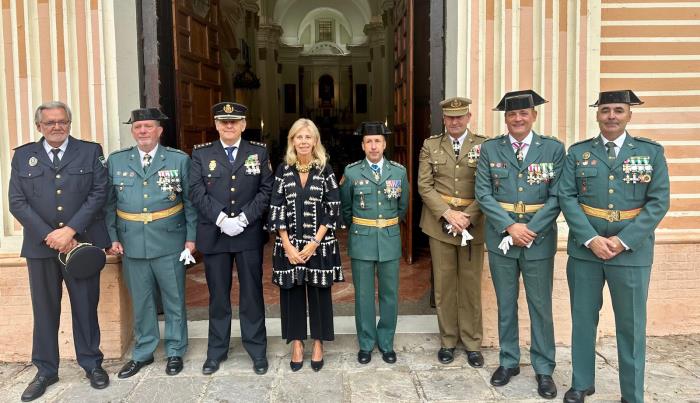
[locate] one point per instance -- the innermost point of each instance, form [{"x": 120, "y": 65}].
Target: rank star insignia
[
  {"x": 212, "y": 165},
  {"x": 228, "y": 108},
  {"x": 33, "y": 161}
]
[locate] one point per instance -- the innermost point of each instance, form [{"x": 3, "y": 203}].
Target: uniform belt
[
  {"x": 456, "y": 201},
  {"x": 610, "y": 215},
  {"x": 520, "y": 207},
  {"x": 152, "y": 216},
  {"x": 379, "y": 223}
]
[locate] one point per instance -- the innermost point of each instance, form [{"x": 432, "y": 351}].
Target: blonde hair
[{"x": 318, "y": 155}]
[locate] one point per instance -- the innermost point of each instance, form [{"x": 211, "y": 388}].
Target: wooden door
[
  {"x": 197, "y": 72},
  {"x": 403, "y": 109}
]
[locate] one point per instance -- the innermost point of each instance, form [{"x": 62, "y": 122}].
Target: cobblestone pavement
[{"x": 673, "y": 375}]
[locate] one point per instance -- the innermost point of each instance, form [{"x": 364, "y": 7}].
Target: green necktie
[{"x": 611, "y": 150}]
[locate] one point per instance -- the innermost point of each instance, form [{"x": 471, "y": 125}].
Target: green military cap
[
  {"x": 146, "y": 114},
  {"x": 372, "y": 128},
  {"x": 229, "y": 111},
  {"x": 455, "y": 106},
  {"x": 515, "y": 100},
  {"x": 617, "y": 97}
]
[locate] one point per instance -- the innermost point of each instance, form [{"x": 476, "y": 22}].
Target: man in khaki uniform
[{"x": 446, "y": 174}]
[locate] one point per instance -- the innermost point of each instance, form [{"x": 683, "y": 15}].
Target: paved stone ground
[{"x": 673, "y": 375}]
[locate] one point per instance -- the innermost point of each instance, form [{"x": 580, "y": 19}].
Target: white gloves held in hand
[
  {"x": 466, "y": 236},
  {"x": 186, "y": 255},
  {"x": 232, "y": 226},
  {"x": 507, "y": 242}
]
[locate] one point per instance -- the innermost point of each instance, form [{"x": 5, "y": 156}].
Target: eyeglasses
[{"x": 60, "y": 123}]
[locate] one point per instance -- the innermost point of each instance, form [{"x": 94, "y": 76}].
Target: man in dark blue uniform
[
  {"x": 231, "y": 182},
  {"x": 58, "y": 187}
]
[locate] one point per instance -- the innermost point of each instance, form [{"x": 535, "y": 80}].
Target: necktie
[
  {"x": 611, "y": 150},
  {"x": 146, "y": 162},
  {"x": 455, "y": 146},
  {"x": 518, "y": 147},
  {"x": 229, "y": 153},
  {"x": 56, "y": 161},
  {"x": 376, "y": 171}
]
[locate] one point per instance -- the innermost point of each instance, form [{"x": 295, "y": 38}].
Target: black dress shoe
[
  {"x": 546, "y": 387},
  {"x": 317, "y": 365},
  {"x": 98, "y": 378},
  {"x": 364, "y": 357},
  {"x": 389, "y": 357},
  {"x": 296, "y": 365},
  {"x": 502, "y": 375},
  {"x": 37, "y": 387},
  {"x": 260, "y": 366},
  {"x": 623, "y": 400},
  {"x": 132, "y": 368},
  {"x": 577, "y": 396},
  {"x": 446, "y": 355},
  {"x": 211, "y": 365},
  {"x": 475, "y": 359},
  {"x": 174, "y": 365}
]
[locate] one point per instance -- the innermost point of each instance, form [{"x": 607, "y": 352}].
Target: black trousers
[
  {"x": 219, "y": 270},
  {"x": 46, "y": 287},
  {"x": 293, "y": 312}
]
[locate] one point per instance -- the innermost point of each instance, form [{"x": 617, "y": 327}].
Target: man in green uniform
[
  {"x": 446, "y": 174},
  {"x": 516, "y": 186},
  {"x": 374, "y": 197},
  {"x": 150, "y": 219},
  {"x": 614, "y": 191}
]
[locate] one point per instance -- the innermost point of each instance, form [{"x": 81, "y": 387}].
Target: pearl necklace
[{"x": 302, "y": 169}]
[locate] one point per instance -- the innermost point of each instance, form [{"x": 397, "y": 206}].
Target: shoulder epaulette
[
  {"x": 175, "y": 150},
  {"x": 646, "y": 140},
  {"x": 23, "y": 145},
  {"x": 494, "y": 138},
  {"x": 582, "y": 141},
  {"x": 436, "y": 136},
  {"x": 203, "y": 145},
  {"x": 551, "y": 138},
  {"x": 480, "y": 135},
  {"x": 396, "y": 164},
  {"x": 354, "y": 163},
  {"x": 259, "y": 144},
  {"x": 122, "y": 150}
]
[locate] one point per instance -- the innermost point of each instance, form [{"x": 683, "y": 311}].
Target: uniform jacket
[
  {"x": 242, "y": 187},
  {"x": 43, "y": 199},
  {"x": 363, "y": 196},
  {"x": 441, "y": 173},
  {"x": 590, "y": 179},
  {"x": 500, "y": 178},
  {"x": 165, "y": 184}
]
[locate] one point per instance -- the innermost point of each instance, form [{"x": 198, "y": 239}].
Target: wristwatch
[{"x": 316, "y": 241}]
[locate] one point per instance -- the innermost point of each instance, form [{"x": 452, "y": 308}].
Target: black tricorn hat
[
  {"x": 146, "y": 114},
  {"x": 515, "y": 100},
  {"x": 617, "y": 97},
  {"x": 229, "y": 111},
  {"x": 83, "y": 261},
  {"x": 371, "y": 128}
]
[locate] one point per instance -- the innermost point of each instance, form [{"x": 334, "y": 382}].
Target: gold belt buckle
[
  {"x": 381, "y": 222},
  {"x": 455, "y": 201},
  {"x": 613, "y": 215},
  {"x": 519, "y": 207},
  {"x": 146, "y": 217}
]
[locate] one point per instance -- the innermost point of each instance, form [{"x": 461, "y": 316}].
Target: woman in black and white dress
[{"x": 304, "y": 212}]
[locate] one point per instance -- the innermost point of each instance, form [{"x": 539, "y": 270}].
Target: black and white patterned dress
[{"x": 301, "y": 211}]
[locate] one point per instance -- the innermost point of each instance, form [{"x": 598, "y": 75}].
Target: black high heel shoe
[
  {"x": 296, "y": 366},
  {"x": 317, "y": 365}
]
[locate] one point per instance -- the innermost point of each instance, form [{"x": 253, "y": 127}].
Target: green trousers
[
  {"x": 629, "y": 288},
  {"x": 537, "y": 277},
  {"x": 143, "y": 278},
  {"x": 369, "y": 331}
]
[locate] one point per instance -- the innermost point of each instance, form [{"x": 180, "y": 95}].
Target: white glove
[
  {"x": 466, "y": 236},
  {"x": 186, "y": 255},
  {"x": 243, "y": 219},
  {"x": 231, "y": 226},
  {"x": 505, "y": 244}
]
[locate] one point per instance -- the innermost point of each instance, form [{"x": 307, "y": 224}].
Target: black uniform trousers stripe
[
  {"x": 218, "y": 268},
  {"x": 46, "y": 287}
]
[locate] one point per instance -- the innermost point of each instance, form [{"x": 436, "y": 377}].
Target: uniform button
[
  {"x": 121, "y": 183},
  {"x": 456, "y": 166},
  {"x": 356, "y": 231},
  {"x": 520, "y": 216},
  {"x": 59, "y": 208},
  {"x": 380, "y": 203},
  {"x": 233, "y": 214},
  {"x": 583, "y": 174},
  {"x": 233, "y": 202},
  {"x": 611, "y": 191},
  {"x": 209, "y": 176},
  {"x": 379, "y": 192},
  {"x": 59, "y": 191},
  {"x": 145, "y": 183},
  {"x": 611, "y": 177},
  {"x": 81, "y": 171},
  {"x": 60, "y": 225},
  {"x": 520, "y": 175},
  {"x": 380, "y": 216},
  {"x": 520, "y": 189},
  {"x": 456, "y": 179},
  {"x": 611, "y": 205},
  {"x": 456, "y": 192},
  {"x": 145, "y": 196},
  {"x": 233, "y": 189},
  {"x": 58, "y": 176},
  {"x": 233, "y": 177}
]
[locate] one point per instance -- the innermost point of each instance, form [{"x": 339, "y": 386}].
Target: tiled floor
[{"x": 414, "y": 286}]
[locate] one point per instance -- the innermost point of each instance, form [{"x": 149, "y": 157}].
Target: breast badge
[
  {"x": 540, "y": 173},
  {"x": 33, "y": 161},
  {"x": 252, "y": 165},
  {"x": 392, "y": 188},
  {"x": 637, "y": 169},
  {"x": 212, "y": 165}
]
